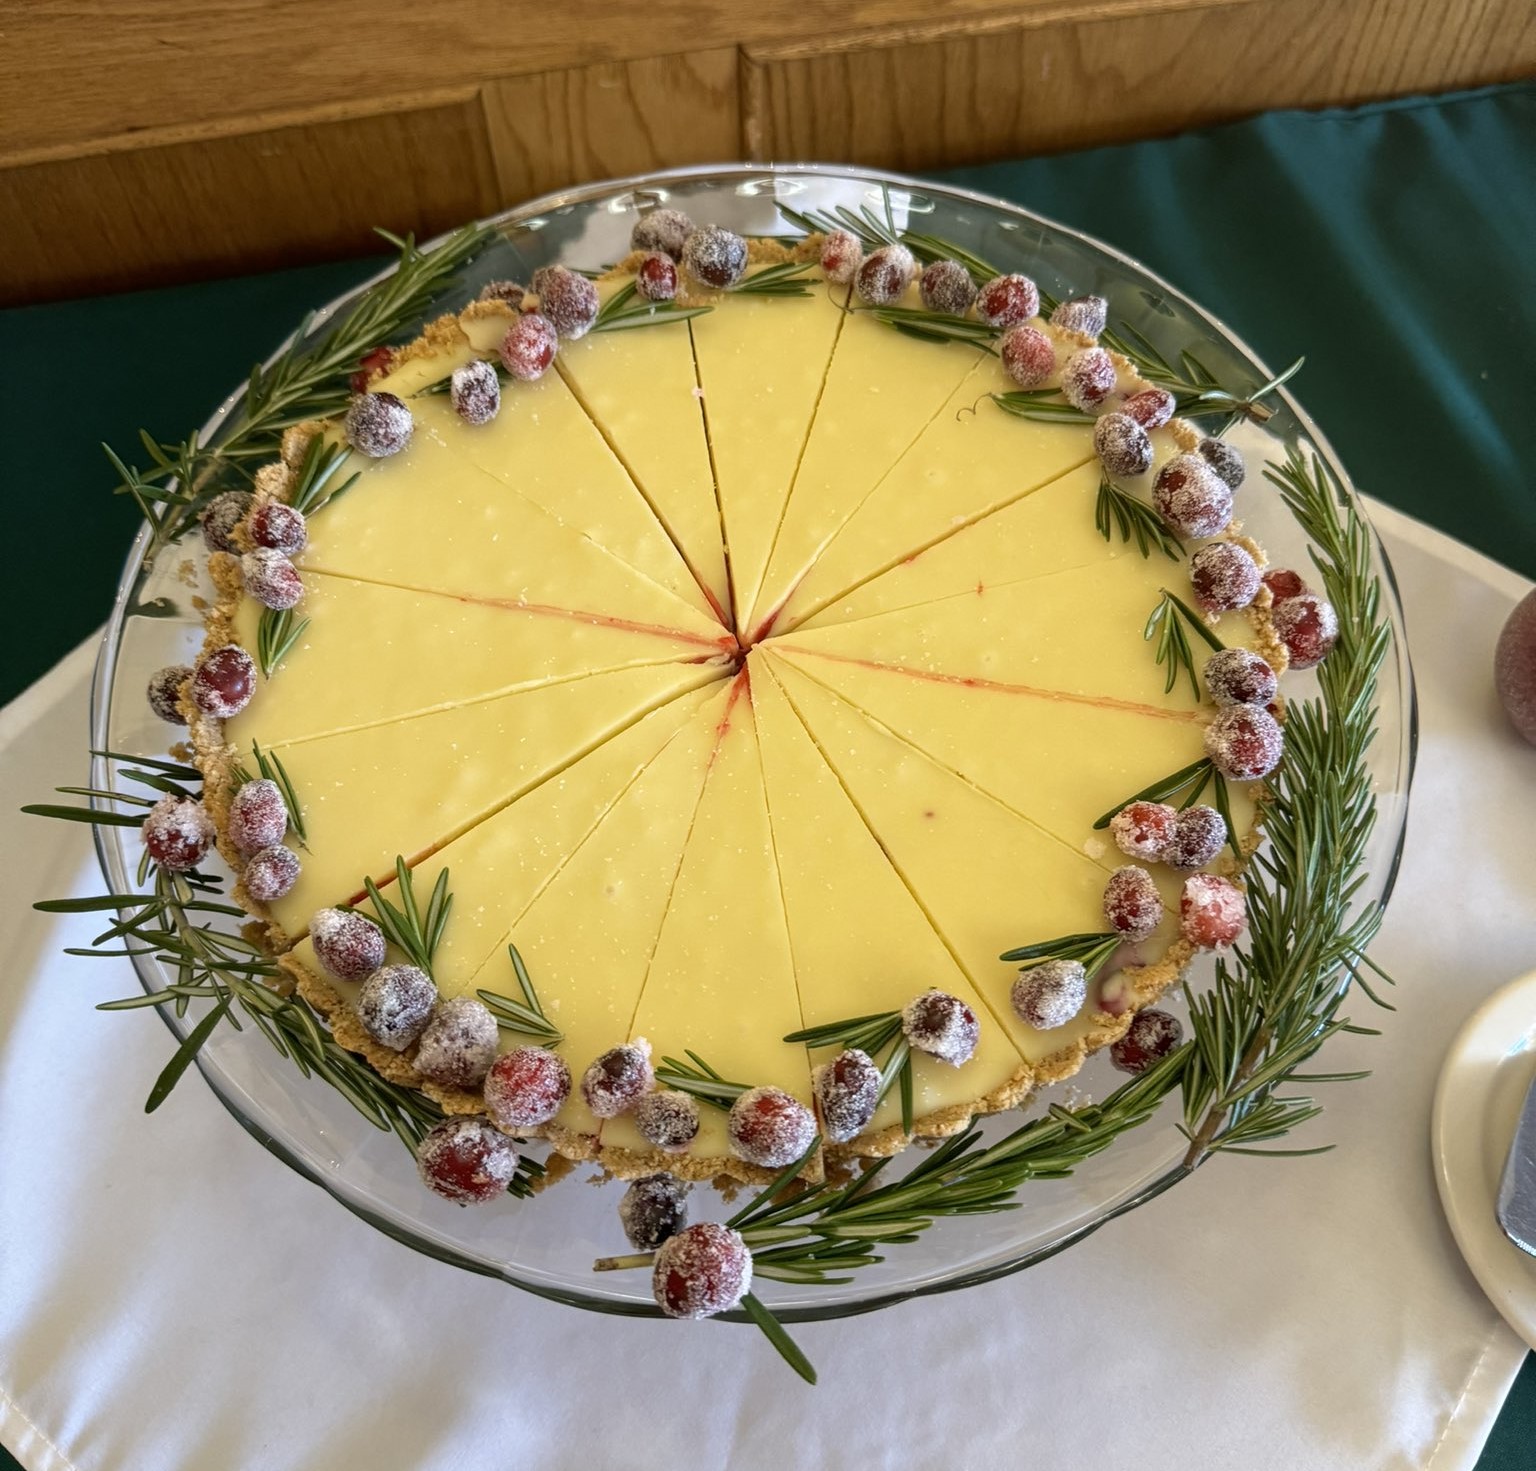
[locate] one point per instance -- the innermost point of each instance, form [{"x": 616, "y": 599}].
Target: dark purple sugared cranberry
[
  {"x": 258, "y": 816},
  {"x": 841, "y": 256},
  {"x": 1212, "y": 911},
  {"x": 1088, "y": 378},
  {"x": 1151, "y": 408},
  {"x": 223, "y": 514},
  {"x": 1225, "y": 459},
  {"x": 529, "y": 348},
  {"x": 526, "y": 1087},
  {"x": 653, "y": 1210},
  {"x": 715, "y": 256},
  {"x": 946, "y": 286},
  {"x": 1240, "y": 677},
  {"x": 396, "y": 1004},
  {"x": 271, "y": 874},
  {"x": 1122, "y": 445},
  {"x": 1283, "y": 583},
  {"x": 378, "y": 425},
  {"x": 1199, "y": 834},
  {"x": 703, "y": 1270},
  {"x": 178, "y": 833},
  {"x": 1029, "y": 356},
  {"x": 1223, "y": 576},
  {"x": 1308, "y": 627},
  {"x": 656, "y": 277},
  {"x": 567, "y": 300},
  {"x": 279, "y": 528},
  {"x": 847, "y": 1092},
  {"x": 474, "y": 390},
  {"x": 224, "y": 681},
  {"x": 667, "y": 1119},
  {"x": 618, "y": 1079},
  {"x": 666, "y": 230},
  {"x": 1143, "y": 829},
  {"x": 884, "y": 275},
  {"x": 1007, "y": 301},
  {"x": 770, "y": 1127},
  {"x": 348, "y": 945},
  {"x": 1244, "y": 742},
  {"x": 458, "y": 1044},
  {"x": 271, "y": 579},
  {"x": 1132, "y": 904},
  {"x": 1050, "y": 994},
  {"x": 373, "y": 364},
  {"x": 1085, "y": 314},
  {"x": 467, "y": 1161},
  {"x": 1151, "y": 1036},
  {"x": 1191, "y": 497},
  {"x": 510, "y": 292},
  {"x": 941, "y": 1025},
  {"x": 165, "y": 690}
]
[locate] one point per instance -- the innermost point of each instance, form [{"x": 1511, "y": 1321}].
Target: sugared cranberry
[
  {"x": 1029, "y": 356},
  {"x": 666, "y": 230},
  {"x": 1212, "y": 911},
  {"x": 1244, "y": 742},
  {"x": 618, "y": 1079},
  {"x": 1050, "y": 994},
  {"x": 1225, "y": 459},
  {"x": 1122, "y": 445},
  {"x": 511, "y": 292},
  {"x": 458, "y": 1044},
  {"x": 1085, "y": 314},
  {"x": 396, "y": 1004},
  {"x": 224, "y": 681},
  {"x": 271, "y": 874},
  {"x": 847, "y": 1092},
  {"x": 1151, "y": 408},
  {"x": 1143, "y": 829},
  {"x": 703, "y": 1270},
  {"x": 1199, "y": 834},
  {"x": 567, "y": 300},
  {"x": 841, "y": 256},
  {"x": 224, "y": 513},
  {"x": 474, "y": 390},
  {"x": 258, "y": 816},
  {"x": 1132, "y": 904},
  {"x": 529, "y": 348},
  {"x": 653, "y": 1210},
  {"x": 715, "y": 256},
  {"x": 941, "y": 1025},
  {"x": 1240, "y": 677},
  {"x": 1308, "y": 627},
  {"x": 1191, "y": 497},
  {"x": 1514, "y": 667},
  {"x": 884, "y": 275},
  {"x": 656, "y": 277},
  {"x": 770, "y": 1127},
  {"x": 526, "y": 1087},
  {"x": 165, "y": 690},
  {"x": 371, "y": 365},
  {"x": 1088, "y": 379},
  {"x": 946, "y": 286},
  {"x": 378, "y": 425},
  {"x": 1224, "y": 576},
  {"x": 1283, "y": 583},
  {"x": 1007, "y": 301},
  {"x": 271, "y": 579},
  {"x": 467, "y": 1161},
  {"x": 178, "y": 833},
  {"x": 1151, "y": 1036},
  {"x": 667, "y": 1119},
  {"x": 279, "y": 527},
  {"x": 348, "y": 945}
]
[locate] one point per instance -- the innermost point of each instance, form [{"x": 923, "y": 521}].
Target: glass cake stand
[{"x": 547, "y": 1245}]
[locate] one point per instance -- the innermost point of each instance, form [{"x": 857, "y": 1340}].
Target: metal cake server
[{"x": 1517, "y": 1190}]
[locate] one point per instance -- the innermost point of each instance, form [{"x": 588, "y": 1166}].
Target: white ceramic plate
[{"x": 1482, "y": 1086}]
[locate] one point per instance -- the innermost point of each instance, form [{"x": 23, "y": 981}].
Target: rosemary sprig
[
  {"x": 701, "y": 1080},
  {"x": 929, "y": 248},
  {"x": 935, "y": 326},
  {"x": 1118, "y": 510},
  {"x": 872, "y": 230},
  {"x": 525, "y": 1016},
  {"x": 785, "y": 279},
  {"x": 1091, "y": 950},
  {"x": 880, "y": 1032},
  {"x": 278, "y": 630},
  {"x": 1043, "y": 405},
  {"x": 406, "y": 925},
  {"x": 1190, "y": 781},
  {"x": 271, "y": 767},
  {"x": 626, "y": 310},
  {"x": 1168, "y": 623}
]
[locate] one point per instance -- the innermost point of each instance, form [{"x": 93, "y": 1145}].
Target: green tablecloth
[{"x": 1394, "y": 245}]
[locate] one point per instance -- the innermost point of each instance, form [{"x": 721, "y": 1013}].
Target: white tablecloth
[{"x": 173, "y": 1297}]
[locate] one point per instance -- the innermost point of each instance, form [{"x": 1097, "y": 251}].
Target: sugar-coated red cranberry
[
  {"x": 847, "y": 1092},
  {"x": 1088, "y": 378},
  {"x": 946, "y": 286},
  {"x": 395, "y": 1005},
  {"x": 378, "y": 424},
  {"x": 222, "y": 515},
  {"x": 653, "y": 1210},
  {"x": 474, "y": 390},
  {"x": 1199, "y": 834},
  {"x": 1085, "y": 314},
  {"x": 1143, "y": 829},
  {"x": 529, "y": 348},
  {"x": 1514, "y": 667},
  {"x": 270, "y": 874},
  {"x": 703, "y": 1270},
  {"x": 1122, "y": 445},
  {"x": 178, "y": 833},
  {"x": 841, "y": 256},
  {"x": 1223, "y": 576},
  {"x": 348, "y": 945},
  {"x": 458, "y": 1044},
  {"x": 656, "y": 277},
  {"x": 884, "y": 275},
  {"x": 666, "y": 230},
  {"x": 1151, "y": 1036},
  {"x": 224, "y": 681},
  {"x": 371, "y": 365},
  {"x": 1212, "y": 911},
  {"x": 1308, "y": 627},
  {"x": 667, "y": 1119},
  {"x": 715, "y": 256},
  {"x": 1283, "y": 583},
  {"x": 1029, "y": 356},
  {"x": 1244, "y": 742},
  {"x": 1225, "y": 459},
  {"x": 258, "y": 816},
  {"x": 1240, "y": 677},
  {"x": 467, "y": 1161},
  {"x": 510, "y": 292},
  {"x": 1132, "y": 904},
  {"x": 618, "y": 1079},
  {"x": 165, "y": 691},
  {"x": 770, "y": 1127},
  {"x": 1151, "y": 408},
  {"x": 1191, "y": 497},
  {"x": 941, "y": 1025},
  {"x": 271, "y": 579},
  {"x": 1050, "y": 994},
  {"x": 567, "y": 300},
  {"x": 279, "y": 527},
  {"x": 1007, "y": 301},
  {"x": 526, "y": 1087}
]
